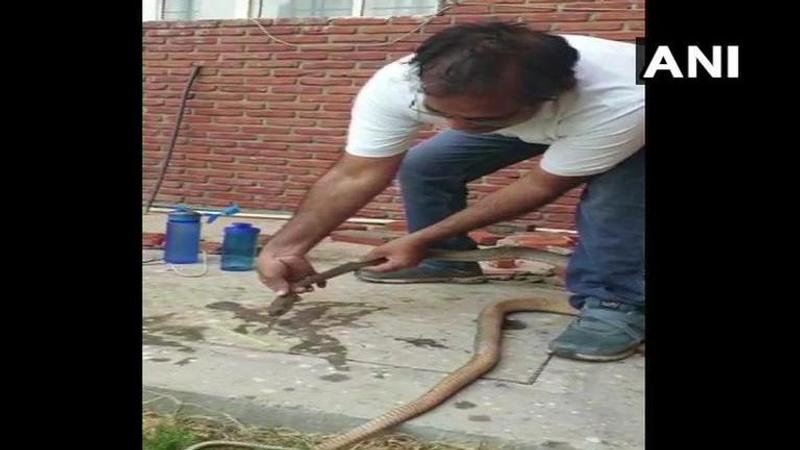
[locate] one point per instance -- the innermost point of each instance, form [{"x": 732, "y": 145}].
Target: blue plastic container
[
  {"x": 239, "y": 247},
  {"x": 183, "y": 237}
]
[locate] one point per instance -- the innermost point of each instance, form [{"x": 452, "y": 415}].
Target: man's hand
[
  {"x": 281, "y": 272},
  {"x": 401, "y": 253}
]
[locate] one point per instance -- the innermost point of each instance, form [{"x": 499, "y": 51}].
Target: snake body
[
  {"x": 485, "y": 356},
  {"x": 487, "y": 346}
]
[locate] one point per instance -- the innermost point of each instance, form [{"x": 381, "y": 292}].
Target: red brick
[
  {"x": 232, "y": 136},
  {"x": 634, "y": 25},
  {"x": 296, "y": 90},
  {"x": 483, "y": 237},
  {"x": 359, "y": 56},
  {"x": 355, "y": 21},
  {"x": 168, "y": 33},
  {"x": 358, "y": 38},
  {"x": 272, "y": 64},
  {"x": 220, "y": 158},
  {"x": 220, "y": 32},
  {"x": 302, "y": 56},
  {"x": 236, "y": 151},
  {"x": 621, "y": 15},
  {"x": 271, "y": 81},
  {"x": 262, "y": 176},
  {"x": 317, "y": 39},
  {"x": 319, "y": 132},
  {"x": 347, "y": 226},
  {"x": 328, "y": 48},
  {"x": 284, "y": 114},
  {"x": 504, "y": 264},
  {"x": 196, "y": 24},
  {"x": 230, "y": 196},
  {"x": 293, "y": 106},
  {"x": 266, "y": 130},
  {"x": 212, "y": 248},
  {"x": 262, "y": 190},
  {"x": 539, "y": 240},
  {"x": 275, "y": 30},
  {"x": 397, "y": 225},
  {"x": 387, "y": 29},
  {"x": 589, "y": 26},
  {"x": 154, "y": 240},
  {"x": 330, "y": 30},
  {"x": 298, "y": 73},
  {"x": 239, "y": 120},
  {"x": 270, "y": 48},
  {"x": 193, "y": 40}
]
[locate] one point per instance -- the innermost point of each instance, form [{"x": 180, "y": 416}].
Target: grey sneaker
[
  {"x": 604, "y": 331},
  {"x": 424, "y": 273}
]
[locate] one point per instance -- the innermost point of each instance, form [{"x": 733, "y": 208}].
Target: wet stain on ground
[
  {"x": 160, "y": 359},
  {"x": 258, "y": 315},
  {"x": 190, "y": 333},
  {"x": 452, "y": 299},
  {"x": 242, "y": 329},
  {"x": 511, "y": 324},
  {"x": 465, "y": 405},
  {"x": 153, "y": 320},
  {"x": 156, "y": 331},
  {"x": 289, "y": 389},
  {"x": 334, "y": 377},
  {"x": 480, "y": 418},
  {"x": 159, "y": 341},
  {"x": 501, "y": 385},
  {"x": 557, "y": 445},
  {"x": 185, "y": 361},
  {"x": 422, "y": 342},
  {"x": 378, "y": 375},
  {"x": 307, "y": 322}
]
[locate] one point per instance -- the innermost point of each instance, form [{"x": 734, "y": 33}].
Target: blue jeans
[{"x": 608, "y": 263}]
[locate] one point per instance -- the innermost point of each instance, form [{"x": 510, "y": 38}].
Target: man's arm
[
  {"x": 534, "y": 190},
  {"x": 335, "y": 197}
]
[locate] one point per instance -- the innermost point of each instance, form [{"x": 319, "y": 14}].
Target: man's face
[
  {"x": 479, "y": 114},
  {"x": 499, "y": 107}
]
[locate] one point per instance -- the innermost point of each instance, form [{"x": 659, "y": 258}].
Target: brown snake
[{"x": 487, "y": 345}]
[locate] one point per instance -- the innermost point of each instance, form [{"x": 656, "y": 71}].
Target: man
[{"x": 506, "y": 93}]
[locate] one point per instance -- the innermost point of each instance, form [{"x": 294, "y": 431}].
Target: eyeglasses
[{"x": 500, "y": 121}]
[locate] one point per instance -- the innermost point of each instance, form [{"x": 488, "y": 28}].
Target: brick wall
[{"x": 265, "y": 120}]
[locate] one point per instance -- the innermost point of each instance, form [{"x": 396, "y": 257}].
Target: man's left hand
[{"x": 401, "y": 253}]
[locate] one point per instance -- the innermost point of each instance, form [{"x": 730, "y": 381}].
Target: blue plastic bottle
[
  {"x": 183, "y": 237},
  {"x": 239, "y": 247}
]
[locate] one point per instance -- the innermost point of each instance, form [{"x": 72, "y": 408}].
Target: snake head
[{"x": 282, "y": 304}]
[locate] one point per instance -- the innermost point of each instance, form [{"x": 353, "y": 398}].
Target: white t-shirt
[{"x": 589, "y": 129}]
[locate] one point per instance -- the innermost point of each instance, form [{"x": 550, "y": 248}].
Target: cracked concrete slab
[{"x": 349, "y": 352}]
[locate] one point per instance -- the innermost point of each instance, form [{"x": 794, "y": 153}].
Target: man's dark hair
[{"x": 470, "y": 58}]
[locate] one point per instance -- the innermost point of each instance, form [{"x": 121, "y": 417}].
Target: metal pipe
[{"x": 174, "y": 139}]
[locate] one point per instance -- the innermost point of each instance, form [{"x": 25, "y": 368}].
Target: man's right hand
[{"x": 281, "y": 272}]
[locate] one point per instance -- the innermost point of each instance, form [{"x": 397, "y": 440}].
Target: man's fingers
[
  {"x": 274, "y": 277},
  {"x": 302, "y": 289},
  {"x": 387, "y": 266},
  {"x": 279, "y": 285}
]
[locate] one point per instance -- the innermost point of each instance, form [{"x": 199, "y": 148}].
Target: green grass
[
  {"x": 169, "y": 436},
  {"x": 177, "y": 433}
]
